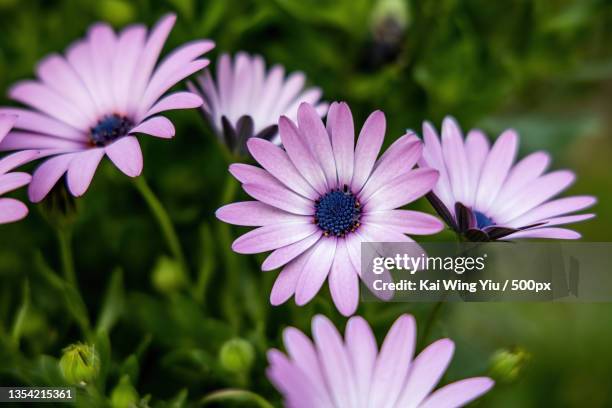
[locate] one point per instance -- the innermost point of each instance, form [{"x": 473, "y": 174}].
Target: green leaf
[
  {"x": 236, "y": 396},
  {"x": 21, "y": 313},
  {"x": 114, "y": 303}
]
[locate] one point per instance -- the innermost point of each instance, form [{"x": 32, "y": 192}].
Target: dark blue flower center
[
  {"x": 482, "y": 220},
  {"x": 337, "y": 212},
  {"x": 110, "y": 128}
]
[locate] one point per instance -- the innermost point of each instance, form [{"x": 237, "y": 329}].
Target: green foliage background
[{"x": 542, "y": 67}]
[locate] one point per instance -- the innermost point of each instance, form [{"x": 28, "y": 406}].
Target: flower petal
[
  {"x": 315, "y": 270},
  {"x": 286, "y": 282},
  {"x": 273, "y": 236},
  {"x": 255, "y": 214},
  {"x": 282, "y": 256},
  {"x": 343, "y": 143},
  {"x": 157, "y": 126},
  {"x": 14, "y": 160},
  {"x": 310, "y": 123},
  {"x": 405, "y": 221},
  {"x": 82, "y": 169},
  {"x": 458, "y": 393},
  {"x": 176, "y": 100},
  {"x": 125, "y": 153},
  {"x": 552, "y": 209},
  {"x": 12, "y": 210},
  {"x": 427, "y": 369},
  {"x": 393, "y": 363},
  {"x": 344, "y": 281},
  {"x": 6, "y": 124},
  {"x": 368, "y": 146},
  {"x": 551, "y": 233},
  {"x": 362, "y": 350},
  {"x": 402, "y": 190},
  {"x": 12, "y": 181},
  {"x": 47, "y": 175},
  {"x": 456, "y": 161}
]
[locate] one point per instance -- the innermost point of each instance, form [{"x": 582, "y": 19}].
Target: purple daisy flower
[
  {"x": 321, "y": 196},
  {"x": 10, "y": 209},
  {"x": 90, "y": 102},
  {"x": 246, "y": 100},
  {"x": 484, "y": 196},
  {"x": 352, "y": 372}
]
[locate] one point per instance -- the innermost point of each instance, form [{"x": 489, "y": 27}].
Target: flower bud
[
  {"x": 80, "y": 363},
  {"x": 237, "y": 356},
  {"x": 124, "y": 395},
  {"x": 167, "y": 275},
  {"x": 507, "y": 364},
  {"x": 59, "y": 207}
]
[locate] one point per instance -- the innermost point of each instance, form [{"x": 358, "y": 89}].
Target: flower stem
[
  {"x": 163, "y": 219},
  {"x": 64, "y": 236}
]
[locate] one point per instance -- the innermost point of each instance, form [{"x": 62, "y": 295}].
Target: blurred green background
[{"x": 542, "y": 67}]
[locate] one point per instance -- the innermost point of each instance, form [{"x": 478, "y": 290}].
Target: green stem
[
  {"x": 163, "y": 219},
  {"x": 64, "y": 235}
]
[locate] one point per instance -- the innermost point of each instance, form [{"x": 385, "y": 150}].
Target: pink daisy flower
[
  {"x": 246, "y": 100},
  {"x": 10, "y": 209},
  {"x": 352, "y": 372},
  {"x": 91, "y": 102},
  {"x": 483, "y": 195},
  {"x": 321, "y": 196}
]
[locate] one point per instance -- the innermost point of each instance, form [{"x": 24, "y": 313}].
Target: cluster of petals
[
  {"x": 351, "y": 372},
  {"x": 321, "y": 195},
  {"x": 484, "y": 195},
  {"x": 245, "y": 100},
  {"x": 93, "y": 100}
]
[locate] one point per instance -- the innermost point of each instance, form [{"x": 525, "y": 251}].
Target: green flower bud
[
  {"x": 124, "y": 395},
  {"x": 117, "y": 12},
  {"x": 237, "y": 356},
  {"x": 506, "y": 364},
  {"x": 80, "y": 363},
  {"x": 167, "y": 275}
]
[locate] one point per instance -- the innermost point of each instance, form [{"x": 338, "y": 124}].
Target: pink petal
[
  {"x": 343, "y": 143},
  {"x": 129, "y": 47},
  {"x": 533, "y": 195},
  {"x": 102, "y": 43},
  {"x": 286, "y": 282},
  {"x": 495, "y": 169},
  {"x": 336, "y": 364},
  {"x": 399, "y": 159},
  {"x": 18, "y": 140},
  {"x": 552, "y": 233},
  {"x": 458, "y": 393},
  {"x": 148, "y": 59},
  {"x": 248, "y": 174},
  {"x": 47, "y": 175},
  {"x": 476, "y": 150},
  {"x": 344, "y": 281},
  {"x": 14, "y": 160},
  {"x": 12, "y": 181},
  {"x": 125, "y": 153},
  {"x": 362, "y": 350},
  {"x": 291, "y": 381},
  {"x": 552, "y": 209},
  {"x": 46, "y": 100},
  {"x": 286, "y": 254},
  {"x": 426, "y": 371},
  {"x": 402, "y": 190},
  {"x": 273, "y": 236},
  {"x": 82, "y": 169},
  {"x": 6, "y": 123},
  {"x": 310, "y": 123},
  {"x": 277, "y": 163},
  {"x": 393, "y": 362},
  {"x": 158, "y": 126},
  {"x": 368, "y": 146},
  {"x": 256, "y": 214},
  {"x": 315, "y": 270},
  {"x": 570, "y": 219},
  {"x": 300, "y": 155},
  {"x": 177, "y": 100},
  {"x": 456, "y": 161},
  {"x": 12, "y": 210},
  {"x": 405, "y": 221},
  {"x": 525, "y": 171},
  {"x": 304, "y": 356},
  {"x": 278, "y": 196},
  {"x": 39, "y": 123},
  {"x": 432, "y": 157}
]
